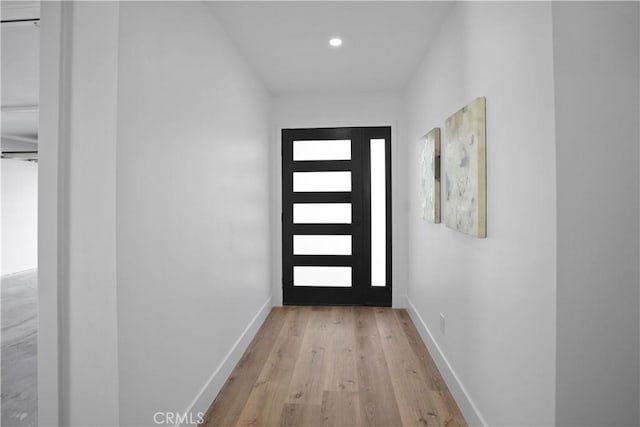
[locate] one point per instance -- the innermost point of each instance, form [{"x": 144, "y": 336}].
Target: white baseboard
[
  {"x": 468, "y": 408},
  {"x": 213, "y": 386}
]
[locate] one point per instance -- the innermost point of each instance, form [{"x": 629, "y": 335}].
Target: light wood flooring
[{"x": 335, "y": 366}]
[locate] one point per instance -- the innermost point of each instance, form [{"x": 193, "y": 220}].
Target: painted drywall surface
[
  {"x": 596, "y": 49},
  {"x": 87, "y": 291},
  {"x": 336, "y": 110},
  {"x": 19, "y": 216},
  {"x": 498, "y": 293},
  {"x": 49, "y": 248},
  {"x": 192, "y": 203}
]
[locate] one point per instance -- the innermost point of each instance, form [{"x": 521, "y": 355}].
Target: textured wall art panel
[
  {"x": 430, "y": 176},
  {"x": 465, "y": 170}
]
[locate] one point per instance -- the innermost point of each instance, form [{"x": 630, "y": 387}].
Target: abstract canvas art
[
  {"x": 430, "y": 175},
  {"x": 465, "y": 170}
]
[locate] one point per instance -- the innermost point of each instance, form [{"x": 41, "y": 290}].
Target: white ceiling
[
  {"x": 19, "y": 56},
  {"x": 287, "y": 42}
]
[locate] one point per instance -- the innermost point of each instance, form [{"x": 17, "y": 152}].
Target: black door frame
[{"x": 361, "y": 292}]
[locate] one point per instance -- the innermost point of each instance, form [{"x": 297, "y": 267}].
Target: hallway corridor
[
  {"x": 311, "y": 366},
  {"x": 231, "y": 196}
]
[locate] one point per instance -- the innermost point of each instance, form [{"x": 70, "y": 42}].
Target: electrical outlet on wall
[{"x": 442, "y": 323}]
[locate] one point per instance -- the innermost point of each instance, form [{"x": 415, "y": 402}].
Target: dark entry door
[{"x": 336, "y": 216}]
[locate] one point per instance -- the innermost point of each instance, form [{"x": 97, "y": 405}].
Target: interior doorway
[{"x": 336, "y": 216}]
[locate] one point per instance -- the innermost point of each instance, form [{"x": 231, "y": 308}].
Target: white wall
[
  {"x": 498, "y": 293},
  {"x": 596, "y": 52},
  {"x": 154, "y": 244},
  {"x": 87, "y": 289},
  {"x": 50, "y": 213},
  {"x": 19, "y": 216},
  {"x": 192, "y": 204},
  {"x": 335, "y": 110}
]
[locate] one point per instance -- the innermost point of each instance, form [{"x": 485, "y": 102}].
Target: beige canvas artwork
[
  {"x": 465, "y": 170},
  {"x": 430, "y": 175}
]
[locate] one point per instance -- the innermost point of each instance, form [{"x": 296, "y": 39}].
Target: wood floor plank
[
  {"x": 307, "y": 382},
  {"x": 300, "y": 414},
  {"x": 227, "y": 406},
  {"x": 408, "y": 374},
  {"x": 370, "y": 367},
  {"x": 377, "y": 398},
  {"x": 342, "y": 373},
  {"x": 419, "y": 349},
  {"x": 264, "y": 405},
  {"x": 341, "y": 408},
  {"x": 449, "y": 413}
]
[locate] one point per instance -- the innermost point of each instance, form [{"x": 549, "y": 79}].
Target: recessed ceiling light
[{"x": 335, "y": 42}]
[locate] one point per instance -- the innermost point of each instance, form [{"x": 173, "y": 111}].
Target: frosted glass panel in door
[
  {"x": 339, "y": 149},
  {"x": 322, "y": 213},
  {"x": 322, "y": 276},
  {"x": 321, "y": 245},
  {"x": 321, "y": 181},
  {"x": 378, "y": 214}
]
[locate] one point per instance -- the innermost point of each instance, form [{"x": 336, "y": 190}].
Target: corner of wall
[
  {"x": 401, "y": 301},
  {"x": 598, "y": 368},
  {"x": 214, "y": 384},
  {"x": 49, "y": 220},
  {"x": 275, "y": 208},
  {"x": 77, "y": 213},
  {"x": 467, "y": 406}
]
